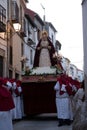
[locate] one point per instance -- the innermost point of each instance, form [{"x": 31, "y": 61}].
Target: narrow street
[{"x": 42, "y": 122}]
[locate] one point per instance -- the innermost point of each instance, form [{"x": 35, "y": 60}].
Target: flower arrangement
[{"x": 28, "y": 71}]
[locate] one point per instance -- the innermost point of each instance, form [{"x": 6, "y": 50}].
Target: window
[
  {"x": 28, "y": 29},
  {"x": 31, "y": 57},
  {"x": 22, "y": 65},
  {"x": 10, "y": 49},
  {"x": 22, "y": 53},
  {"x": 22, "y": 49},
  {"x": 2, "y": 19},
  {"x": 38, "y": 34},
  {"x": 10, "y": 73},
  {"x": 52, "y": 37},
  {"x": 1, "y": 66},
  {"x": 21, "y": 14},
  {"x": 15, "y": 12},
  {"x": 16, "y": 76},
  {"x": 2, "y": 15},
  {"x": 10, "y": 55},
  {"x": 24, "y": 26}
]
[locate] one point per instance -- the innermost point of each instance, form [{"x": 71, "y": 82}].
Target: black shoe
[
  {"x": 61, "y": 122},
  {"x": 60, "y": 125},
  {"x": 67, "y": 122}
]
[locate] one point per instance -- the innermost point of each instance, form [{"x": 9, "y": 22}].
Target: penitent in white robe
[
  {"x": 5, "y": 120},
  {"x": 63, "y": 104},
  {"x": 17, "y": 111}
]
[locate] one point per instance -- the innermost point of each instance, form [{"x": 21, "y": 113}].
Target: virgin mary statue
[{"x": 44, "y": 52}]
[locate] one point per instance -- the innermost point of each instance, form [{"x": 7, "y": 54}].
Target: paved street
[{"x": 40, "y": 123}]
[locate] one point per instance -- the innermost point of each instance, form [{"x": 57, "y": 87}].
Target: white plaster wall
[
  {"x": 52, "y": 32},
  {"x": 27, "y": 48},
  {"x": 73, "y": 71},
  {"x": 65, "y": 64}
]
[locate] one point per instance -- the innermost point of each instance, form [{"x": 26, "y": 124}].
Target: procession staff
[{"x": 6, "y": 104}]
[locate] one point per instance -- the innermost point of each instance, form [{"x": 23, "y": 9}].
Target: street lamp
[{"x": 17, "y": 26}]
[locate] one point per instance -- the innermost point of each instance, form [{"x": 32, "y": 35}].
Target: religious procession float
[{"x": 38, "y": 82}]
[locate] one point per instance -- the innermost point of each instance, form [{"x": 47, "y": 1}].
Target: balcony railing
[{"x": 2, "y": 19}]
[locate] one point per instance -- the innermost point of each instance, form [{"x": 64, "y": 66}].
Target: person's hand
[
  {"x": 54, "y": 55},
  {"x": 38, "y": 48},
  {"x": 49, "y": 47}
]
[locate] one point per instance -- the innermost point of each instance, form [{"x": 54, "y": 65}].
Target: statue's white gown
[{"x": 44, "y": 55}]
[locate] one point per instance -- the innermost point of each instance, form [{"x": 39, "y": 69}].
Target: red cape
[
  {"x": 6, "y": 100},
  {"x": 37, "y": 54}
]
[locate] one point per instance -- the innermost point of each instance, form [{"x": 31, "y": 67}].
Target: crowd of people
[
  {"x": 10, "y": 102},
  {"x": 69, "y": 98}
]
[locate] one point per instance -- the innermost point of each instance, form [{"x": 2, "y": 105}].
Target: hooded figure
[
  {"x": 6, "y": 104},
  {"x": 44, "y": 52}
]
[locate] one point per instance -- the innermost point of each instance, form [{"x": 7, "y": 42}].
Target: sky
[{"x": 66, "y": 16}]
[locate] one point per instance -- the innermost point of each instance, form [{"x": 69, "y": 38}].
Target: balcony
[
  {"x": 15, "y": 12},
  {"x": 2, "y": 19},
  {"x": 30, "y": 41}
]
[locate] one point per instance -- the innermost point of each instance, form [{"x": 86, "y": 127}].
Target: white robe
[
  {"x": 5, "y": 120},
  {"x": 17, "y": 111},
  {"x": 63, "y": 104}
]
